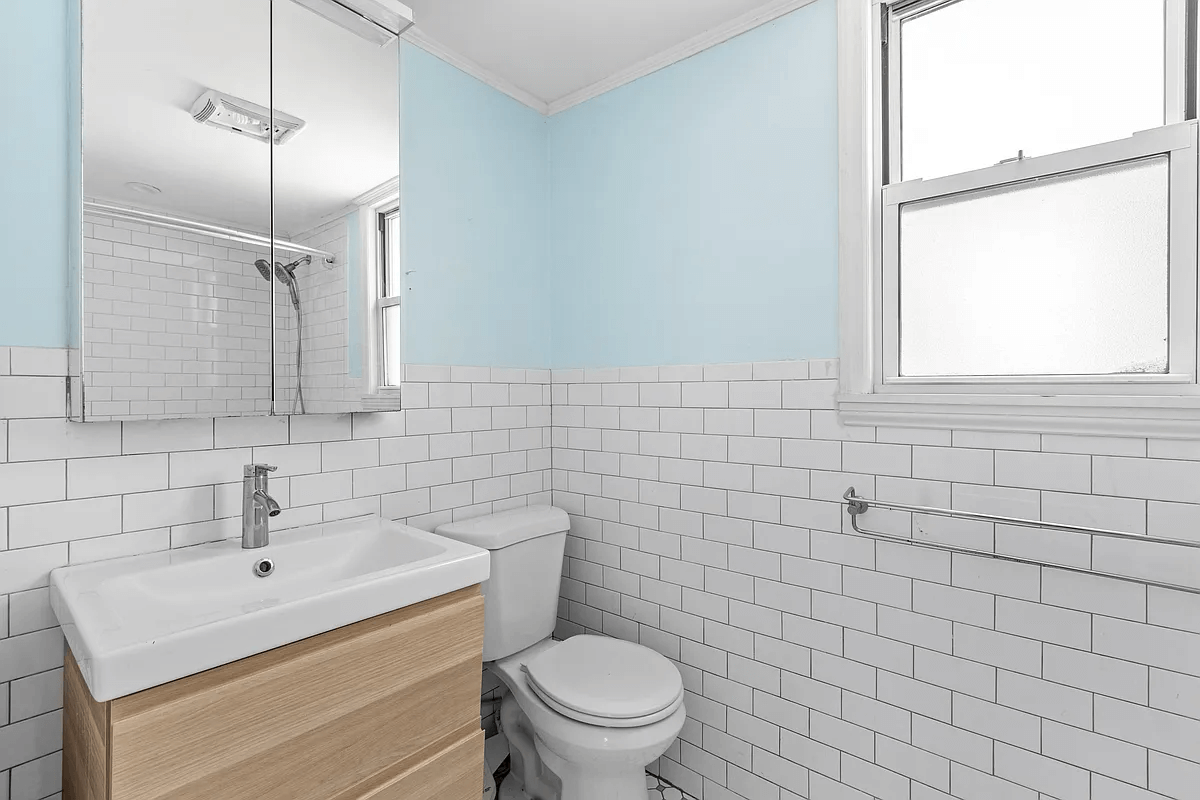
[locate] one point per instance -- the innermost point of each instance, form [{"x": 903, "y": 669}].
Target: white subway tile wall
[
  {"x": 707, "y": 524},
  {"x": 72, "y": 493},
  {"x": 329, "y": 386}
]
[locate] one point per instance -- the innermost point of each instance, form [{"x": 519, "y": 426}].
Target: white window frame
[
  {"x": 378, "y": 396},
  {"x": 385, "y": 299},
  {"x": 872, "y": 392}
]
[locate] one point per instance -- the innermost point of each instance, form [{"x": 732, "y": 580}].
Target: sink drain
[{"x": 264, "y": 567}]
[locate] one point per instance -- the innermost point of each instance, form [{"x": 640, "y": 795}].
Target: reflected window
[{"x": 390, "y": 291}]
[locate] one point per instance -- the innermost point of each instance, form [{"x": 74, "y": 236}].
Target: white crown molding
[
  {"x": 686, "y": 49},
  {"x": 384, "y": 191},
  {"x": 436, "y": 48}
]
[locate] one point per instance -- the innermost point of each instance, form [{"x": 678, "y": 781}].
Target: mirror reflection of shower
[{"x": 286, "y": 274}]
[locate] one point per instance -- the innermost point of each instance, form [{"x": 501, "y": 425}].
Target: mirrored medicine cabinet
[{"x": 240, "y": 200}]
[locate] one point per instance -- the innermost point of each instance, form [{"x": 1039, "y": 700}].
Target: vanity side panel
[
  {"x": 310, "y": 719},
  {"x": 86, "y": 735}
]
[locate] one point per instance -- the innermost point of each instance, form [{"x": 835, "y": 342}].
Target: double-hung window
[
  {"x": 1030, "y": 209},
  {"x": 390, "y": 292}
]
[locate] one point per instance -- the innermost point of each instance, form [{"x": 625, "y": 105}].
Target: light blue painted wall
[
  {"x": 474, "y": 221},
  {"x": 693, "y": 213},
  {"x": 35, "y": 220},
  {"x": 687, "y": 217}
]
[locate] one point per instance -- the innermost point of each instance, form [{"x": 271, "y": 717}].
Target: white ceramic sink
[{"x": 138, "y": 622}]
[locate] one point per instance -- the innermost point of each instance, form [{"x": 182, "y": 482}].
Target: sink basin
[{"x": 142, "y": 621}]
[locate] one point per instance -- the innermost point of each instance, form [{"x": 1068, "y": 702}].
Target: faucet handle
[{"x": 257, "y": 470}]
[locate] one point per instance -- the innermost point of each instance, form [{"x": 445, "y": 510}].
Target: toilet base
[
  {"x": 538, "y": 773},
  {"x": 605, "y": 782}
]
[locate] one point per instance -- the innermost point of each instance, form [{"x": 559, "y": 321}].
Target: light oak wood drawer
[
  {"x": 309, "y": 721},
  {"x": 451, "y": 772}
]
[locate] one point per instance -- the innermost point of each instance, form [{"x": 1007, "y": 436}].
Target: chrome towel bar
[{"x": 856, "y": 506}]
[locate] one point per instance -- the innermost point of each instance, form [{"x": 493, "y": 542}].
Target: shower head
[{"x": 285, "y": 273}]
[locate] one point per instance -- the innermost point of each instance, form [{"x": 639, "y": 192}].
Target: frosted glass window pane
[
  {"x": 391, "y": 346},
  {"x": 1064, "y": 276},
  {"x": 982, "y": 79}
]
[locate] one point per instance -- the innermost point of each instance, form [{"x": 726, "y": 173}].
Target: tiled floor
[{"x": 661, "y": 790}]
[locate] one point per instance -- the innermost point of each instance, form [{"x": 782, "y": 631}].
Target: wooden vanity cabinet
[{"x": 385, "y": 709}]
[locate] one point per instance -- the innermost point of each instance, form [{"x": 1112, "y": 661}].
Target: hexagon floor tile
[{"x": 661, "y": 790}]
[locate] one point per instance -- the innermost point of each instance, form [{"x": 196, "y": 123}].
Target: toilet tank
[{"x": 521, "y": 595}]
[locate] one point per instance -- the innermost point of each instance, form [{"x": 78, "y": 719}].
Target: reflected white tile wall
[{"x": 174, "y": 323}]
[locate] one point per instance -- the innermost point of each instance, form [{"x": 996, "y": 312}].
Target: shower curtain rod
[{"x": 206, "y": 229}]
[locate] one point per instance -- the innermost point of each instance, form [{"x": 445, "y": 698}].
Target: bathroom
[{"x": 630, "y": 262}]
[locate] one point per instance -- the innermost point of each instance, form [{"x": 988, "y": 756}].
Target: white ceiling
[
  {"x": 553, "y": 48},
  {"x": 146, "y": 62}
]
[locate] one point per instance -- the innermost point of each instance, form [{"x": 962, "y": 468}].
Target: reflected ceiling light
[
  {"x": 241, "y": 116},
  {"x": 142, "y": 188},
  {"x": 377, "y": 21}
]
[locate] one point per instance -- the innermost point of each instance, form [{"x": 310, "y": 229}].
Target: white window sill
[
  {"x": 382, "y": 400},
  {"x": 1159, "y": 417}
]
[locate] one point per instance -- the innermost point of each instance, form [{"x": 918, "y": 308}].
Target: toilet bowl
[
  {"x": 603, "y": 758},
  {"x": 583, "y": 717}
]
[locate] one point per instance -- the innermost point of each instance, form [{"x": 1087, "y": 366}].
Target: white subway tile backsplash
[
  {"x": 249, "y": 431},
  {"x": 1146, "y": 644},
  {"x": 36, "y": 694},
  {"x": 202, "y": 467},
  {"x": 29, "y": 611},
  {"x": 47, "y": 523},
  {"x": 1174, "y": 777},
  {"x": 119, "y": 545},
  {"x": 36, "y": 482},
  {"x": 29, "y": 654},
  {"x": 718, "y": 582},
  {"x": 1051, "y": 471},
  {"x": 956, "y": 744},
  {"x": 43, "y": 439},
  {"x": 96, "y": 477},
  {"x": 29, "y": 568},
  {"x": 1148, "y": 479},
  {"x": 1174, "y": 609},
  {"x": 1101, "y": 754},
  {"x": 1150, "y": 728},
  {"x": 164, "y": 508},
  {"x": 23, "y": 397}
]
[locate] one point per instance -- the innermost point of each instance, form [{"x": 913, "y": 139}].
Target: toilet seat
[{"x": 605, "y": 682}]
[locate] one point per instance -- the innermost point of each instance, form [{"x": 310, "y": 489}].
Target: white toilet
[{"x": 583, "y": 717}]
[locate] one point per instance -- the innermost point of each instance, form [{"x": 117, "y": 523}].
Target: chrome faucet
[{"x": 257, "y": 506}]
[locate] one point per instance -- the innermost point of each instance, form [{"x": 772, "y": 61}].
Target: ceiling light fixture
[
  {"x": 377, "y": 21},
  {"x": 142, "y": 188},
  {"x": 241, "y": 116}
]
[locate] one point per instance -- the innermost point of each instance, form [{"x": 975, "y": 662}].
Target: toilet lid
[{"x": 606, "y": 679}]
